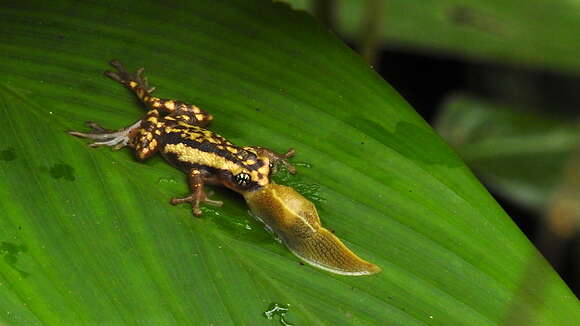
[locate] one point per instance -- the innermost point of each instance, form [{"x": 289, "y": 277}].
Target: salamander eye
[{"x": 242, "y": 179}]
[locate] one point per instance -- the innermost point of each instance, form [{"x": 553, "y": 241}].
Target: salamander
[{"x": 177, "y": 131}]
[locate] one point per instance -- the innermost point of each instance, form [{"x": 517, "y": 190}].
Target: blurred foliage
[
  {"x": 518, "y": 153},
  {"x": 536, "y": 33}
]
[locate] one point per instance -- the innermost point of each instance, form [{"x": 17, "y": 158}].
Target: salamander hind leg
[
  {"x": 198, "y": 195},
  {"x": 143, "y": 136},
  {"x": 104, "y": 137},
  {"x": 146, "y": 139},
  {"x": 134, "y": 81}
]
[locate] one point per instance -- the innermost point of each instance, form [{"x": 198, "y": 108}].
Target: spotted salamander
[{"x": 177, "y": 131}]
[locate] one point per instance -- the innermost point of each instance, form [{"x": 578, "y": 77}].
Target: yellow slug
[{"x": 295, "y": 221}]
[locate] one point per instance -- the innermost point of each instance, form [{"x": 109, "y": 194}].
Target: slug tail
[{"x": 325, "y": 251}]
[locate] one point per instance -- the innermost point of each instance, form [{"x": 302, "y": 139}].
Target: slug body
[
  {"x": 295, "y": 221},
  {"x": 176, "y": 130}
]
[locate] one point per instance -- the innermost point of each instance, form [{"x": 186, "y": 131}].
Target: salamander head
[
  {"x": 255, "y": 171},
  {"x": 249, "y": 177}
]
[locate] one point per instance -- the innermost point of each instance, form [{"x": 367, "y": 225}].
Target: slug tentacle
[{"x": 295, "y": 221}]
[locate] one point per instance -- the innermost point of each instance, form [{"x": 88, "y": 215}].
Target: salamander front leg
[
  {"x": 276, "y": 158},
  {"x": 198, "y": 195}
]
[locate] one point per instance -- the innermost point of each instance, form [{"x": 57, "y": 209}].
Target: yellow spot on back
[
  {"x": 169, "y": 105},
  {"x": 251, "y": 150}
]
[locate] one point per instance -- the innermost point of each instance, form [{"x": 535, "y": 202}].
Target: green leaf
[
  {"x": 87, "y": 236},
  {"x": 519, "y": 153},
  {"x": 541, "y": 33}
]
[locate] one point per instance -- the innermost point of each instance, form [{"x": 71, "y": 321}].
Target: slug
[{"x": 295, "y": 221}]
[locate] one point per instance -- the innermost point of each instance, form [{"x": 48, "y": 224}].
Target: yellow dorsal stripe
[{"x": 196, "y": 156}]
